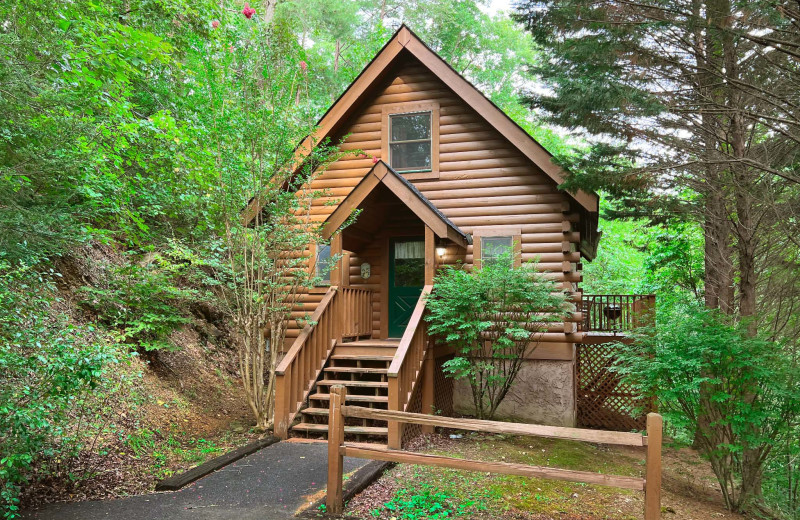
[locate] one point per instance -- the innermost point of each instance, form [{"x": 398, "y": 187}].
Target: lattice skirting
[{"x": 603, "y": 400}]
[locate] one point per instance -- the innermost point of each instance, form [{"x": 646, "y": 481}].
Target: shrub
[
  {"x": 492, "y": 317},
  {"x": 735, "y": 395},
  {"x": 143, "y": 302},
  {"x": 53, "y": 376}
]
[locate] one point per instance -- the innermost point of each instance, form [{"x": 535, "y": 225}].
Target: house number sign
[{"x": 365, "y": 271}]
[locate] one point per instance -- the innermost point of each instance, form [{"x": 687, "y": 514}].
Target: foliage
[
  {"x": 55, "y": 377},
  {"x": 734, "y": 393},
  {"x": 143, "y": 302},
  {"x": 427, "y": 502},
  {"x": 492, "y": 316}
]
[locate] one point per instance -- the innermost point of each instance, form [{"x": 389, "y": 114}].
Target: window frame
[
  {"x": 496, "y": 232},
  {"x": 396, "y": 109}
]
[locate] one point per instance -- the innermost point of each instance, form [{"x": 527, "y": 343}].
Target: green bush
[
  {"x": 145, "y": 303},
  {"x": 492, "y": 316},
  {"x": 735, "y": 396},
  {"x": 54, "y": 379}
]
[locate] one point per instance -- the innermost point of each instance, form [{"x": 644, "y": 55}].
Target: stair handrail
[
  {"x": 295, "y": 372},
  {"x": 406, "y": 366}
]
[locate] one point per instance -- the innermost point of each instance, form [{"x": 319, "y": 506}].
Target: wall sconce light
[{"x": 440, "y": 251}]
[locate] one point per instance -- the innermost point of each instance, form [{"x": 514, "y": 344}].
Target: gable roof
[
  {"x": 359, "y": 90},
  {"x": 382, "y": 173}
]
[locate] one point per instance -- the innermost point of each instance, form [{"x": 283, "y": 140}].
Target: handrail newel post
[
  {"x": 652, "y": 486},
  {"x": 394, "y": 440},
  {"x": 428, "y": 375},
  {"x": 334, "y": 500}
]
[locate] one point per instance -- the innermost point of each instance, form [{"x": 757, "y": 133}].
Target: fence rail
[
  {"x": 616, "y": 312},
  {"x": 338, "y": 449}
]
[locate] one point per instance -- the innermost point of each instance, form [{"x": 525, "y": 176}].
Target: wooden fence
[
  {"x": 615, "y": 312},
  {"x": 338, "y": 449}
]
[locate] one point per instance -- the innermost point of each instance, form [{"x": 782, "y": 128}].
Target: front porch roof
[{"x": 383, "y": 174}]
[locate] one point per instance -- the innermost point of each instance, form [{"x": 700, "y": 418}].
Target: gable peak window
[{"x": 410, "y": 141}]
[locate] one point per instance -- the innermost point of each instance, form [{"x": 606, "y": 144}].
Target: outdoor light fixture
[{"x": 441, "y": 250}]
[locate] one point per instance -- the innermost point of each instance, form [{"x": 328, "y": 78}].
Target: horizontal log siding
[{"x": 483, "y": 181}]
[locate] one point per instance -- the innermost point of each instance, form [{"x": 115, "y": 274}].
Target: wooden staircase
[{"x": 360, "y": 366}]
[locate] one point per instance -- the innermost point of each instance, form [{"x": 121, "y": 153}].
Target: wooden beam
[
  {"x": 652, "y": 489},
  {"x": 538, "y": 430},
  {"x": 430, "y": 255},
  {"x": 504, "y": 468},
  {"x": 334, "y": 500}
]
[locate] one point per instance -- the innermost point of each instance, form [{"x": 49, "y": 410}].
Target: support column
[
  {"x": 336, "y": 249},
  {"x": 428, "y": 381},
  {"x": 430, "y": 255}
]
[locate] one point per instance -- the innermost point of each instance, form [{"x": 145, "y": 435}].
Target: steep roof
[
  {"x": 405, "y": 40},
  {"x": 382, "y": 173}
]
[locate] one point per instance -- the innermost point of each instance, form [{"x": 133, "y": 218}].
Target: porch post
[
  {"x": 428, "y": 382},
  {"x": 430, "y": 255},
  {"x": 336, "y": 249}
]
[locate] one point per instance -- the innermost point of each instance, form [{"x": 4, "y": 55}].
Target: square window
[
  {"x": 410, "y": 142},
  {"x": 492, "y": 248}
]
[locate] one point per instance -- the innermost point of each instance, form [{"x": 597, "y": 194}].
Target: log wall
[{"x": 484, "y": 181}]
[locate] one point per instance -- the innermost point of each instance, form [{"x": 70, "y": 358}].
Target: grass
[{"x": 417, "y": 492}]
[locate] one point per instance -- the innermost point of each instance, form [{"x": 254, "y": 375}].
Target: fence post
[
  {"x": 652, "y": 485},
  {"x": 334, "y": 500}
]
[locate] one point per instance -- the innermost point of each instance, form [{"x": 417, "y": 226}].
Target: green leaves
[{"x": 491, "y": 316}]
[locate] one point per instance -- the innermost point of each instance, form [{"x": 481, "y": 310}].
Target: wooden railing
[
  {"x": 338, "y": 449},
  {"x": 406, "y": 367},
  {"x": 616, "y": 312},
  {"x": 304, "y": 361},
  {"x": 356, "y": 307}
]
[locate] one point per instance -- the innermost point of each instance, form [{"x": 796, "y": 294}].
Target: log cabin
[{"x": 445, "y": 177}]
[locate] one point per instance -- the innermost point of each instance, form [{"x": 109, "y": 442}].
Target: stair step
[
  {"x": 388, "y": 343},
  {"x": 315, "y": 411},
  {"x": 351, "y": 349},
  {"x": 363, "y": 384},
  {"x": 353, "y": 397},
  {"x": 357, "y": 370},
  {"x": 353, "y": 430},
  {"x": 360, "y": 357}
]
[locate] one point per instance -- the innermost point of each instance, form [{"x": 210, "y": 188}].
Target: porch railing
[
  {"x": 356, "y": 312},
  {"x": 616, "y": 313},
  {"x": 406, "y": 367},
  {"x": 343, "y": 312}
]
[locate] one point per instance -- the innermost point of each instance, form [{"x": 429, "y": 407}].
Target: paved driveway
[{"x": 269, "y": 484}]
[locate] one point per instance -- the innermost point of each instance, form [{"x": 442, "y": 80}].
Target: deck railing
[
  {"x": 343, "y": 312},
  {"x": 406, "y": 367},
  {"x": 338, "y": 449},
  {"x": 616, "y": 313},
  {"x": 356, "y": 308}
]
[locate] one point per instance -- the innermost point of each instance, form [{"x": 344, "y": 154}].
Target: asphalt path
[{"x": 271, "y": 484}]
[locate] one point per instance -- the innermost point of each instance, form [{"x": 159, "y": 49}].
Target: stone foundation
[{"x": 543, "y": 393}]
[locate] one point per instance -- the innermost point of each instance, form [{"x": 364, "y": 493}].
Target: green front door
[{"x": 406, "y": 279}]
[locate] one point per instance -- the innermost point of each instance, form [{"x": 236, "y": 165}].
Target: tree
[
  {"x": 256, "y": 123},
  {"x": 492, "y": 316},
  {"x": 681, "y": 102}
]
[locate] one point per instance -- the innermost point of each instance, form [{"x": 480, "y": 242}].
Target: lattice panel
[
  {"x": 410, "y": 431},
  {"x": 443, "y": 388},
  {"x": 603, "y": 400}
]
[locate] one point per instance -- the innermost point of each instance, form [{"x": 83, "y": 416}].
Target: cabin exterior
[{"x": 445, "y": 177}]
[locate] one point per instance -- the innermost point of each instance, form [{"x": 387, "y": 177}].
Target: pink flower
[
  {"x": 215, "y": 24},
  {"x": 362, "y": 156},
  {"x": 375, "y": 160},
  {"x": 230, "y": 48},
  {"x": 248, "y": 11},
  {"x": 303, "y": 66}
]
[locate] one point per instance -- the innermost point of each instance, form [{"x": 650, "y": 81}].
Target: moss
[{"x": 476, "y": 495}]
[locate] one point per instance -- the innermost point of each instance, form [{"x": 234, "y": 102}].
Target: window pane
[
  {"x": 408, "y": 127},
  {"x": 409, "y": 264},
  {"x": 411, "y": 156},
  {"x": 324, "y": 263},
  {"x": 494, "y": 247}
]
